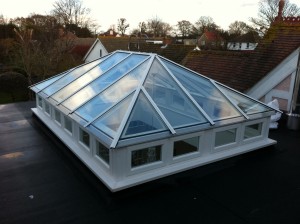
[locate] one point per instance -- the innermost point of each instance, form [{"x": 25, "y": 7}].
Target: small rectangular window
[
  {"x": 47, "y": 108},
  {"x": 68, "y": 124},
  {"x": 84, "y": 137},
  {"x": 253, "y": 130},
  {"x": 185, "y": 146},
  {"x": 57, "y": 116},
  {"x": 145, "y": 156},
  {"x": 102, "y": 152},
  {"x": 225, "y": 137},
  {"x": 40, "y": 101}
]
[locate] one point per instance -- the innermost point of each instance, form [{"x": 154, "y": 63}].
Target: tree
[
  {"x": 204, "y": 23},
  {"x": 154, "y": 26},
  {"x": 238, "y": 28},
  {"x": 69, "y": 12},
  {"x": 185, "y": 28},
  {"x": 268, "y": 11},
  {"x": 122, "y": 26}
]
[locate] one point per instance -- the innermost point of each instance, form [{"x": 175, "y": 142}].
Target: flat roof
[{"x": 42, "y": 181}]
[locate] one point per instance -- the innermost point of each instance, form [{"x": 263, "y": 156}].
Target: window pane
[
  {"x": 143, "y": 119},
  {"x": 71, "y": 76},
  {"x": 68, "y": 124},
  {"x": 46, "y": 83},
  {"x": 40, "y": 101},
  {"x": 205, "y": 93},
  {"x": 145, "y": 156},
  {"x": 87, "y": 77},
  {"x": 47, "y": 108},
  {"x": 103, "y": 81},
  {"x": 102, "y": 152},
  {"x": 171, "y": 100},
  {"x": 186, "y": 146},
  {"x": 111, "y": 95},
  {"x": 247, "y": 105},
  {"x": 253, "y": 130},
  {"x": 111, "y": 120},
  {"x": 57, "y": 116},
  {"x": 84, "y": 137},
  {"x": 225, "y": 137}
]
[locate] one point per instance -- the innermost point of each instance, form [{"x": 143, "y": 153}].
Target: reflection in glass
[
  {"x": 246, "y": 104},
  {"x": 253, "y": 130},
  {"x": 109, "y": 122},
  {"x": 112, "y": 95},
  {"x": 171, "y": 100},
  {"x": 205, "y": 93},
  {"x": 143, "y": 119},
  {"x": 225, "y": 137},
  {"x": 71, "y": 76},
  {"x": 88, "y": 77},
  {"x": 103, "y": 81},
  {"x": 185, "y": 146}
]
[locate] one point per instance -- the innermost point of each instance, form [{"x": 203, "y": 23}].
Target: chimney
[{"x": 280, "y": 10}]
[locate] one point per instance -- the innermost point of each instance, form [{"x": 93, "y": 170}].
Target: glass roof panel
[
  {"x": 103, "y": 81},
  {"x": 89, "y": 76},
  {"x": 71, "y": 76},
  {"x": 170, "y": 99},
  {"x": 143, "y": 119},
  {"x": 212, "y": 101},
  {"x": 110, "y": 122},
  {"x": 113, "y": 94},
  {"x": 49, "y": 81},
  {"x": 247, "y": 105}
]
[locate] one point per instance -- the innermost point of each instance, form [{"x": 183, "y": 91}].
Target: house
[
  {"x": 245, "y": 42},
  {"x": 268, "y": 72},
  {"x": 110, "y": 33},
  {"x": 133, "y": 117},
  {"x": 211, "y": 40},
  {"x": 164, "y": 47}
]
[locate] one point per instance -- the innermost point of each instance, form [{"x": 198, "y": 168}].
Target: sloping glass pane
[
  {"x": 71, "y": 76},
  {"x": 143, "y": 119},
  {"x": 113, "y": 94},
  {"x": 110, "y": 122},
  {"x": 89, "y": 76},
  {"x": 246, "y": 104},
  {"x": 205, "y": 93},
  {"x": 103, "y": 81},
  {"x": 169, "y": 97},
  {"x": 46, "y": 83}
]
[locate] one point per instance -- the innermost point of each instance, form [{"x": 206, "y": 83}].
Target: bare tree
[
  {"x": 204, "y": 23},
  {"x": 268, "y": 11},
  {"x": 238, "y": 28},
  {"x": 122, "y": 26},
  {"x": 69, "y": 12},
  {"x": 185, "y": 28},
  {"x": 154, "y": 26}
]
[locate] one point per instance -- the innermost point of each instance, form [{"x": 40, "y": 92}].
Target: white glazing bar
[
  {"x": 188, "y": 95},
  {"x": 231, "y": 102},
  {"x": 249, "y": 97},
  {"x": 158, "y": 111},
  {"x": 131, "y": 105},
  {"x": 89, "y": 81},
  {"x": 103, "y": 112},
  {"x": 109, "y": 85},
  {"x": 77, "y": 77}
]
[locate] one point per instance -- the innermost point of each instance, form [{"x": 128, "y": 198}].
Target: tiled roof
[
  {"x": 174, "y": 52},
  {"x": 242, "y": 70},
  {"x": 81, "y": 46},
  {"x": 250, "y": 37}
]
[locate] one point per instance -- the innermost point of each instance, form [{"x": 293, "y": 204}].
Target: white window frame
[
  {"x": 99, "y": 158},
  {"x": 65, "y": 118},
  {"x": 80, "y": 139},
  {"x": 230, "y": 145}
]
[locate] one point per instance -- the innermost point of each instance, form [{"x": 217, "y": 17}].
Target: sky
[{"x": 107, "y": 13}]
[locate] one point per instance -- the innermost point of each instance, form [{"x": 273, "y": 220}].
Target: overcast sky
[{"x": 107, "y": 12}]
